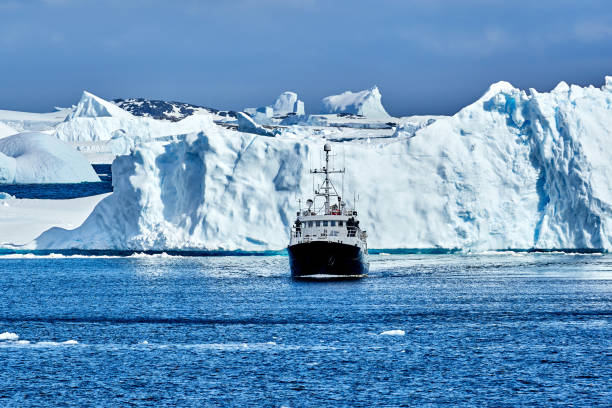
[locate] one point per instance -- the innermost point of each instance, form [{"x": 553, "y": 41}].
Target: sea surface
[
  {"x": 64, "y": 191},
  {"x": 502, "y": 329}
]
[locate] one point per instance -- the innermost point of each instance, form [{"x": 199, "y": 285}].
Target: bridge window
[
  {"x": 332, "y": 223},
  {"x": 318, "y": 223},
  {"x": 310, "y": 223},
  {"x": 325, "y": 223},
  {"x": 340, "y": 223}
]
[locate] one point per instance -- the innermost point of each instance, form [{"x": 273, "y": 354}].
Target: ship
[{"x": 326, "y": 239}]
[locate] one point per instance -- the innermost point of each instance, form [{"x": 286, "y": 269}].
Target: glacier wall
[{"x": 512, "y": 170}]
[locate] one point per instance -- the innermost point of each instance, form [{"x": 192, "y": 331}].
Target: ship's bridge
[{"x": 328, "y": 227}]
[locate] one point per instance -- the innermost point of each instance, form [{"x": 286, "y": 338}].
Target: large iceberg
[
  {"x": 95, "y": 119},
  {"x": 41, "y": 158},
  {"x": 513, "y": 170},
  {"x": 364, "y": 103}
]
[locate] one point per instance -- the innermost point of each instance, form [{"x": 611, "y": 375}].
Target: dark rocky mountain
[{"x": 168, "y": 110}]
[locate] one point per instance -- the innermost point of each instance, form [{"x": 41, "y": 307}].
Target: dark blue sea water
[
  {"x": 64, "y": 191},
  {"x": 489, "y": 330}
]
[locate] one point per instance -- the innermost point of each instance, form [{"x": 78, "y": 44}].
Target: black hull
[{"x": 327, "y": 259}]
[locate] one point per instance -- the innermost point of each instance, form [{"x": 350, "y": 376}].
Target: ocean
[{"x": 493, "y": 329}]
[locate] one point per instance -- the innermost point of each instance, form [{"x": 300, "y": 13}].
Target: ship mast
[{"x": 327, "y": 189}]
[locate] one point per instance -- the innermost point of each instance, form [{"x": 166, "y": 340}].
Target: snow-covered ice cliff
[{"x": 512, "y": 170}]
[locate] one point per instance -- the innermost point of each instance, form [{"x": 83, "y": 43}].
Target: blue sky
[{"x": 426, "y": 56}]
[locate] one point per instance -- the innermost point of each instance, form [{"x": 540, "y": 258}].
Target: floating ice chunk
[
  {"x": 365, "y": 103},
  {"x": 9, "y": 336},
  {"x": 41, "y": 158},
  {"x": 393, "y": 333},
  {"x": 56, "y": 343}
]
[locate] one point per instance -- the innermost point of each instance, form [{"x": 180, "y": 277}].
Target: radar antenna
[{"x": 326, "y": 189}]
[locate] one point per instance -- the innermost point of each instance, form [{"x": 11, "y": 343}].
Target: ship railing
[{"x": 351, "y": 232}]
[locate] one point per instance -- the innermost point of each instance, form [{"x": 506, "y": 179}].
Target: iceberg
[
  {"x": 40, "y": 158},
  {"x": 288, "y": 103},
  {"x": 364, "y": 103},
  {"x": 513, "y": 170},
  {"x": 33, "y": 122},
  {"x": 95, "y": 119},
  {"x": 91, "y": 106},
  {"x": 247, "y": 124}
]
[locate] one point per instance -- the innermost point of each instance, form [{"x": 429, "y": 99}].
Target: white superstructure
[{"x": 331, "y": 221}]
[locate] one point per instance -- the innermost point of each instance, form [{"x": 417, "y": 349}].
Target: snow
[
  {"x": 91, "y": 106},
  {"x": 85, "y": 126},
  {"x": 22, "y": 220},
  {"x": 365, "y": 103},
  {"x": 27, "y": 121},
  {"x": 39, "y": 158},
  {"x": 247, "y": 124},
  {"x": 408, "y": 126},
  {"x": 6, "y": 130}
]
